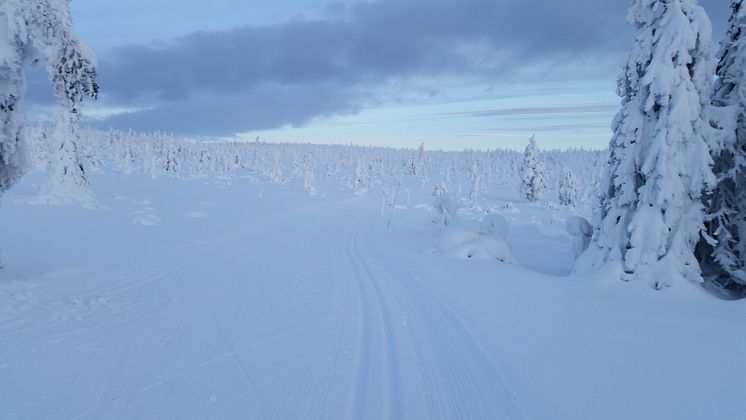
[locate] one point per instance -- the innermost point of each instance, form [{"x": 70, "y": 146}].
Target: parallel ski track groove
[
  {"x": 366, "y": 283},
  {"x": 457, "y": 387}
]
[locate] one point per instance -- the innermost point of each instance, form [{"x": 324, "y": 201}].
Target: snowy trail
[
  {"x": 458, "y": 378},
  {"x": 264, "y": 322}
]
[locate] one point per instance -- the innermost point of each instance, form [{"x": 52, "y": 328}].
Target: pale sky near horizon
[{"x": 453, "y": 74}]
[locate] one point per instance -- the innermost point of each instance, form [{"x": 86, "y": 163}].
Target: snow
[
  {"x": 495, "y": 224},
  {"x": 250, "y": 299},
  {"x": 581, "y": 232}
]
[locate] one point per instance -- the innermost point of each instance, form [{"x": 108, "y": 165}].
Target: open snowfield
[{"x": 242, "y": 299}]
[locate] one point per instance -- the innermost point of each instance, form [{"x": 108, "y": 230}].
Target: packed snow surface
[{"x": 237, "y": 299}]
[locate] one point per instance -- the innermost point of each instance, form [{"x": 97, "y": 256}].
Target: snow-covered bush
[
  {"x": 445, "y": 208},
  {"x": 360, "y": 181},
  {"x": 309, "y": 178},
  {"x": 476, "y": 185},
  {"x": 533, "y": 173},
  {"x": 462, "y": 243}
]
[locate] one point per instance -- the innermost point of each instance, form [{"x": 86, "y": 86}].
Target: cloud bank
[{"x": 359, "y": 54}]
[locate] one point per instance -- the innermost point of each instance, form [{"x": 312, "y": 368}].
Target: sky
[{"x": 451, "y": 74}]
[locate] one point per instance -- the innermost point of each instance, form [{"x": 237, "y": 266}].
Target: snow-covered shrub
[
  {"x": 581, "y": 232},
  {"x": 462, "y": 243},
  {"x": 445, "y": 208},
  {"x": 476, "y": 185},
  {"x": 275, "y": 173},
  {"x": 533, "y": 173},
  {"x": 172, "y": 161},
  {"x": 360, "y": 181},
  {"x": 455, "y": 236},
  {"x": 309, "y": 181},
  {"x": 484, "y": 248}
]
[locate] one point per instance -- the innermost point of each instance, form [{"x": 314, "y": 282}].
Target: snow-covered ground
[{"x": 244, "y": 299}]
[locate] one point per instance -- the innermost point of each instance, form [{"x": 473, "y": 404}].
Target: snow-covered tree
[
  {"x": 722, "y": 250},
  {"x": 275, "y": 173},
  {"x": 360, "y": 182},
  {"x": 41, "y": 30},
  {"x": 475, "y": 174},
  {"x": 569, "y": 189},
  {"x": 533, "y": 173},
  {"x": 651, "y": 212},
  {"x": 445, "y": 208},
  {"x": 171, "y": 165},
  {"x": 309, "y": 177}
]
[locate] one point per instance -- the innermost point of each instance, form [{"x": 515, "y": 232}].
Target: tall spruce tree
[
  {"x": 651, "y": 213},
  {"x": 723, "y": 248},
  {"x": 533, "y": 172}
]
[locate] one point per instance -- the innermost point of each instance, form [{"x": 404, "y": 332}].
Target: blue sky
[{"x": 450, "y": 73}]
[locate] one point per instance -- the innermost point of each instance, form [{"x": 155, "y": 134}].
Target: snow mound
[
  {"x": 578, "y": 226},
  {"x": 147, "y": 220},
  {"x": 496, "y": 225},
  {"x": 453, "y": 237},
  {"x": 82, "y": 200},
  {"x": 461, "y": 243},
  {"x": 197, "y": 214},
  {"x": 581, "y": 231}
]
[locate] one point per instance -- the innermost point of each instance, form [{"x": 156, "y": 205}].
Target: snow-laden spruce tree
[
  {"x": 41, "y": 30},
  {"x": 651, "y": 212},
  {"x": 569, "y": 189},
  {"x": 722, "y": 251},
  {"x": 533, "y": 172}
]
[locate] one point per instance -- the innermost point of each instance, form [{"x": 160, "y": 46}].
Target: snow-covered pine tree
[
  {"x": 33, "y": 30},
  {"x": 651, "y": 212},
  {"x": 722, "y": 250},
  {"x": 13, "y": 59},
  {"x": 533, "y": 173},
  {"x": 569, "y": 188}
]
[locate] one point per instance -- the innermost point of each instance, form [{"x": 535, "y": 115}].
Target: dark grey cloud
[
  {"x": 258, "y": 77},
  {"x": 260, "y": 108}
]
